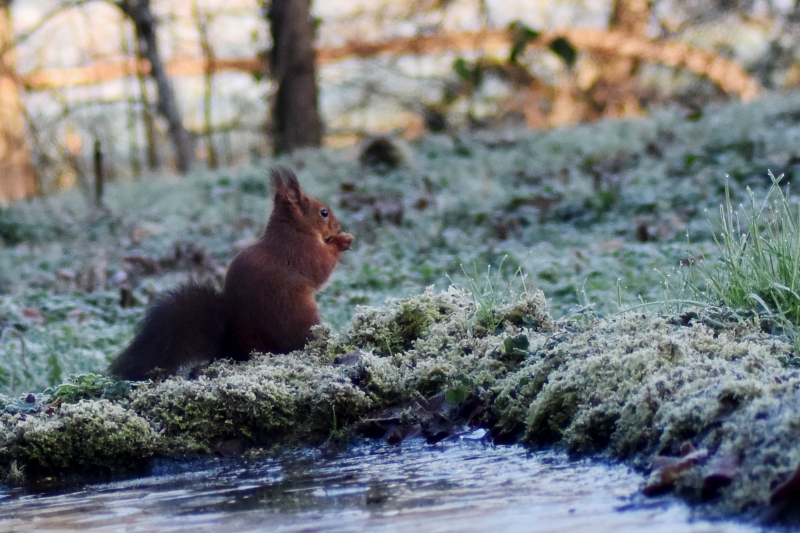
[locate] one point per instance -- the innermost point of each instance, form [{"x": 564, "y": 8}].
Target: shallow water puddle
[{"x": 452, "y": 486}]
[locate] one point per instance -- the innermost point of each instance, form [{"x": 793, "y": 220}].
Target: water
[{"x": 453, "y": 486}]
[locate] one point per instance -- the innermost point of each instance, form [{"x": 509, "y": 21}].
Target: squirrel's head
[{"x": 294, "y": 208}]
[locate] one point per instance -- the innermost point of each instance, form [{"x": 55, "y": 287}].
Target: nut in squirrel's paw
[{"x": 342, "y": 241}]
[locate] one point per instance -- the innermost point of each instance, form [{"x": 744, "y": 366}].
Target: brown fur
[
  {"x": 291, "y": 262},
  {"x": 267, "y": 303},
  {"x": 185, "y": 326}
]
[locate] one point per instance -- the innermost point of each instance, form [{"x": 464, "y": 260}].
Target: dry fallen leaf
[{"x": 33, "y": 314}]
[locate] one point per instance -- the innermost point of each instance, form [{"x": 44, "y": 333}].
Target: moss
[
  {"x": 637, "y": 386},
  {"x": 261, "y": 400},
  {"x": 395, "y": 328},
  {"x": 530, "y": 311},
  {"x": 630, "y": 387},
  {"x": 86, "y": 435}
]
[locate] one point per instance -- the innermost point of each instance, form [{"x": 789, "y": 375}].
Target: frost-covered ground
[{"x": 595, "y": 217}]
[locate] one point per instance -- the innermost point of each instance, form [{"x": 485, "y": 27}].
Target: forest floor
[{"x": 563, "y": 235}]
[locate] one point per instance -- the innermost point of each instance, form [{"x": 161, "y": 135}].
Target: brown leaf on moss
[
  {"x": 666, "y": 471},
  {"x": 33, "y": 314},
  {"x": 431, "y": 418}
]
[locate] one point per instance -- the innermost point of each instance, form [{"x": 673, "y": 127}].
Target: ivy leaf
[
  {"x": 462, "y": 70},
  {"x": 522, "y": 35},
  {"x": 564, "y": 49}
]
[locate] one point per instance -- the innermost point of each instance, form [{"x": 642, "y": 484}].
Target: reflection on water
[{"x": 453, "y": 486}]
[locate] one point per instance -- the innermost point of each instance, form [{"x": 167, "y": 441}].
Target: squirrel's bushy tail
[{"x": 186, "y": 325}]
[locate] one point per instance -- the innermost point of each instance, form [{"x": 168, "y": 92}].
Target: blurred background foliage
[{"x": 394, "y": 66}]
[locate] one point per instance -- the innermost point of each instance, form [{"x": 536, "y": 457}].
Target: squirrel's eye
[{"x": 324, "y": 213}]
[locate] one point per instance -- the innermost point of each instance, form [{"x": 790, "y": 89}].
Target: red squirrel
[{"x": 267, "y": 303}]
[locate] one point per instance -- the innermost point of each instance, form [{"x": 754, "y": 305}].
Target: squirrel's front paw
[{"x": 343, "y": 241}]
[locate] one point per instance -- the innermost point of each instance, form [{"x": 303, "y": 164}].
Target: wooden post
[{"x": 99, "y": 175}]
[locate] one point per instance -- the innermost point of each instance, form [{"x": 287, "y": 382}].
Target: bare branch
[{"x": 47, "y": 17}]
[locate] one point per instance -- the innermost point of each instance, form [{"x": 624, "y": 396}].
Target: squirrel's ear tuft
[{"x": 284, "y": 183}]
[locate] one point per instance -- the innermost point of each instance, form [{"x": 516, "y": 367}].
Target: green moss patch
[
  {"x": 87, "y": 435},
  {"x": 640, "y": 388}
]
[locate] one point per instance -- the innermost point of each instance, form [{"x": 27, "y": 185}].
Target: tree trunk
[
  {"x": 148, "y": 121},
  {"x": 17, "y": 175},
  {"x": 614, "y": 93},
  {"x": 133, "y": 137},
  {"x": 142, "y": 17},
  {"x": 295, "y": 114},
  {"x": 201, "y": 20}
]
